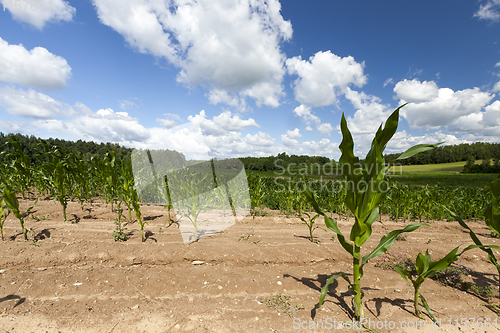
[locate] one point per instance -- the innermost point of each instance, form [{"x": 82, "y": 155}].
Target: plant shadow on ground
[
  {"x": 89, "y": 215},
  {"x": 399, "y": 302},
  {"x": 20, "y": 299},
  {"x": 75, "y": 219},
  {"x": 45, "y": 233},
  {"x": 13, "y": 237},
  {"x": 148, "y": 234},
  {"x": 150, "y": 218},
  {"x": 319, "y": 282}
]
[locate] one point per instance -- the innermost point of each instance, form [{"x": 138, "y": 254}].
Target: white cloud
[
  {"x": 489, "y": 11},
  {"x": 388, "y": 81},
  {"x": 221, "y": 124},
  {"x": 496, "y": 87},
  {"x": 442, "y": 109},
  {"x": 402, "y": 140},
  {"x": 125, "y": 104},
  {"x": 321, "y": 148},
  {"x": 325, "y": 128},
  {"x": 324, "y": 77},
  {"x": 167, "y": 123},
  {"x": 294, "y": 134},
  {"x": 229, "y": 47},
  {"x": 289, "y": 139},
  {"x": 232, "y": 144},
  {"x": 416, "y": 91},
  {"x": 32, "y": 104},
  {"x": 491, "y": 116},
  {"x": 33, "y": 13},
  {"x": 37, "y": 68},
  {"x": 370, "y": 112},
  {"x": 304, "y": 112}
]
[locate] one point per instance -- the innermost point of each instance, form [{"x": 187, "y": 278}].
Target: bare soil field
[{"x": 73, "y": 277}]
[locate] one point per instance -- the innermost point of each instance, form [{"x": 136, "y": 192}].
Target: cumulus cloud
[
  {"x": 37, "y": 68},
  {"x": 32, "y": 104},
  {"x": 290, "y": 138},
  {"x": 369, "y": 114},
  {"x": 294, "y": 134},
  {"x": 232, "y": 48},
  {"x": 223, "y": 123},
  {"x": 34, "y": 14},
  {"x": 321, "y": 148},
  {"x": 167, "y": 123},
  {"x": 491, "y": 116},
  {"x": 325, "y": 128},
  {"x": 304, "y": 112},
  {"x": 233, "y": 144},
  {"x": 416, "y": 91},
  {"x": 489, "y": 11},
  {"x": 441, "y": 109},
  {"x": 402, "y": 140},
  {"x": 324, "y": 77}
]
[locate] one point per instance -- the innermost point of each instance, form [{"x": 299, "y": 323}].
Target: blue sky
[{"x": 232, "y": 78}]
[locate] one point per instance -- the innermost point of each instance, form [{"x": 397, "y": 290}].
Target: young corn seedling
[
  {"x": 492, "y": 219},
  {"x": 10, "y": 199},
  {"x": 310, "y": 224},
  {"x": 138, "y": 214},
  {"x": 366, "y": 189},
  {"x": 426, "y": 268},
  {"x": 120, "y": 233}
]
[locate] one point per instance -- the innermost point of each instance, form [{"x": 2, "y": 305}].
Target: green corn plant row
[{"x": 402, "y": 202}]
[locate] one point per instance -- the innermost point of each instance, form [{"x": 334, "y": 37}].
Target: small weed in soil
[
  {"x": 247, "y": 237},
  {"x": 120, "y": 234},
  {"x": 281, "y": 303},
  {"x": 402, "y": 237}
]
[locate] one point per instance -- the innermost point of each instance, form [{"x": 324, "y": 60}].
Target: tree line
[
  {"x": 488, "y": 152},
  {"x": 453, "y": 153}
]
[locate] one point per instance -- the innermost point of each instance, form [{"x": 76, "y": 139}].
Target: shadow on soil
[{"x": 20, "y": 299}]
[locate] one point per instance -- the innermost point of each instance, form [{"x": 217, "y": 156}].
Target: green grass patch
[
  {"x": 431, "y": 168},
  {"x": 445, "y": 179}
]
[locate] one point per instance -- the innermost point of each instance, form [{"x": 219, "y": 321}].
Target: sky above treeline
[{"x": 233, "y": 78}]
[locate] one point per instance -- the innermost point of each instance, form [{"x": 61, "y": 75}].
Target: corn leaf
[
  {"x": 428, "y": 309},
  {"x": 324, "y": 290},
  {"x": 386, "y": 242}
]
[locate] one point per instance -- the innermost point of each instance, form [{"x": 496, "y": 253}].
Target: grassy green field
[
  {"x": 446, "y": 174},
  {"x": 430, "y": 168}
]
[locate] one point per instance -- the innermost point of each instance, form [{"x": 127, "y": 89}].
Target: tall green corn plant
[
  {"x": 21, "y": 164},
  {"x": 109, "y": 174},
  {"x": 127, "y": 183},
  {"x": 56, "y": 172},
  {"x": 365, "y": 191},
  {"x": 10, "y": 199},
  {"x": 4, "y": 213}
]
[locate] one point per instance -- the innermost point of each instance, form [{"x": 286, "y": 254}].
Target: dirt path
[{"x": 77, "y": 279}]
